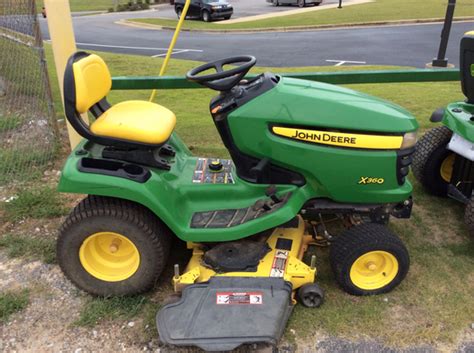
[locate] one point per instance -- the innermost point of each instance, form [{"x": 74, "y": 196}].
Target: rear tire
[
  {"x": 179, "y": 12},
  {"x": 112, "y": 247},
  {"x": 301, "y": 3},
  {"x": 227, "y": 17},
  {"x": 469, "y": 216},
  {"x": 206, "y": 17},
  {"x": 432, "y": 160},
  {"x": 275, "y": 3},
  {"x": 368, "y": 259}
]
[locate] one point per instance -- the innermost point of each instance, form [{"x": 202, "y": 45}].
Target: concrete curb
[{"x": 297, "y": 28}]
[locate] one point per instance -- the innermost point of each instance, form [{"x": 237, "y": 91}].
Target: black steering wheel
[{"x": 222, "y": 80}]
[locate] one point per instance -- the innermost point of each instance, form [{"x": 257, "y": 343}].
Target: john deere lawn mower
[
  {"x": 443, "y": 161},
  {"x": 301, "y": 152}
]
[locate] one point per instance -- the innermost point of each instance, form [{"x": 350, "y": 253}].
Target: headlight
[
  {"x": 409, "y": 140},
  {"x": 216, "y": 7}
]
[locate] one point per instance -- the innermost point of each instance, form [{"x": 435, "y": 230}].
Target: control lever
[
  {"x": 271, "y": 192},
  {"x": 261, "y": 204},
  {"x": 258, "y": 171}
]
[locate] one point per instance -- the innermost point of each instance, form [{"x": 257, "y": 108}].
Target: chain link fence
[{"x": 28, "y": 129}]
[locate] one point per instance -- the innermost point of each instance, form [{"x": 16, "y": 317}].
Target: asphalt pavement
[{"x": 403, "y": 45}]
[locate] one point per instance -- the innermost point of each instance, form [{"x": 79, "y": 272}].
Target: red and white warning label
[
  {"x": 279, "y": 263},
  {"x": 239, "y": 298}
]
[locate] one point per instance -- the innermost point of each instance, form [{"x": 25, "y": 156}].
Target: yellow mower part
[
  {"x": 447, "y": 166},
  {"x": 109, "y": 256},
  {"x": 374, "y": 270},
  {"x": 286, "y": 264}
]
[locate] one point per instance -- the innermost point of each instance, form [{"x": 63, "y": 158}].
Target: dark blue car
[{"x": 207, "y": 10}]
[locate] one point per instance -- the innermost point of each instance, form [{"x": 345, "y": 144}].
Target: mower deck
[
  {"x": 286, "y": 247},
  {"x": 238, "y": 292}
]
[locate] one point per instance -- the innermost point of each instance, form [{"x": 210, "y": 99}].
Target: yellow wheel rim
[
  {"x": 446, "y": 169},
  {"x": 374, "y": 270},
  {"x": 109, "y": 256}
]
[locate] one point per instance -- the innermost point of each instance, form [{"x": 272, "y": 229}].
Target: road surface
[{"x": 404, "y": 45}]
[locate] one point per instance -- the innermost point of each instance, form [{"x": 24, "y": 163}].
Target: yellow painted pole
[
  {"x": 64, "y": 45},
  {"x": 172, "y": 44}
]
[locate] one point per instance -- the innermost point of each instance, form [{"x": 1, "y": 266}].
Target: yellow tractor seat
[
  {"x": 132, "y": 125},
  {"x": 137, "y": 121}
]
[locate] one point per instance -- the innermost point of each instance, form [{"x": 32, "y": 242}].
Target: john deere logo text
[
  {"x": 323, "y": 137},
  {"x": 342, "y": 139},
  {"x": 369, "y": 180}
]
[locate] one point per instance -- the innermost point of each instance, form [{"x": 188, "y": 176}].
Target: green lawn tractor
[
  {"x": 443, "y": 161},
  {"x": 301, "y": 153}
]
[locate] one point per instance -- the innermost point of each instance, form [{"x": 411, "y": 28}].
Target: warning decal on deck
[
  {"x": 239, "y": 298},
  {"x": 279, "y": 263}
]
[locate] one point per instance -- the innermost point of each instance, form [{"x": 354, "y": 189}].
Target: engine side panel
[{"x": 335, "y": 169}]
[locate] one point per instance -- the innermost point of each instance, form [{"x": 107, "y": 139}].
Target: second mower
[{"x": 443, "y": 162}]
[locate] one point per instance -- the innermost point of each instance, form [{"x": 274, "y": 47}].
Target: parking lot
[{"x": 242, "y": 8}]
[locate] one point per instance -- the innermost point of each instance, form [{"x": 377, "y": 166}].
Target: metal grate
[{"x": 28, "y": 129}]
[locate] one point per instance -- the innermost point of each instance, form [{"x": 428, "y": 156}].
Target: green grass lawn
[
  {"x": 12, "y": 302},
  {"x": 380, "y": 10},
  {"x": 89, "y": 5},
  {"x": 42, "y": 202}
]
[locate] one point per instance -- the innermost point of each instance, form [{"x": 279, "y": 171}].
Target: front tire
[
  {"x": 179, "y": 12},
  {"x": 433, "y": 162},
  {"x": 368, "y": 259},
  {"x": 206, "y": 17},
  {"x": 275, "y": 3},
  {"x": 112, "y": 247},
  {"x": 301, "y": 3}
]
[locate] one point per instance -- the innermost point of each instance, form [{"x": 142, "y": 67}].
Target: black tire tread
[
  {"x": 429, "y": 143},
  {"x": 96, "y": 206},
  {"x": 360, "y": 239}
]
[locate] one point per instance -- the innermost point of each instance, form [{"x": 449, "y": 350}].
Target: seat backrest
[
  {"x": 92, "y": 81},
  {"x": 87, "y": 82},
  {"x": 467, "y": 66}
]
